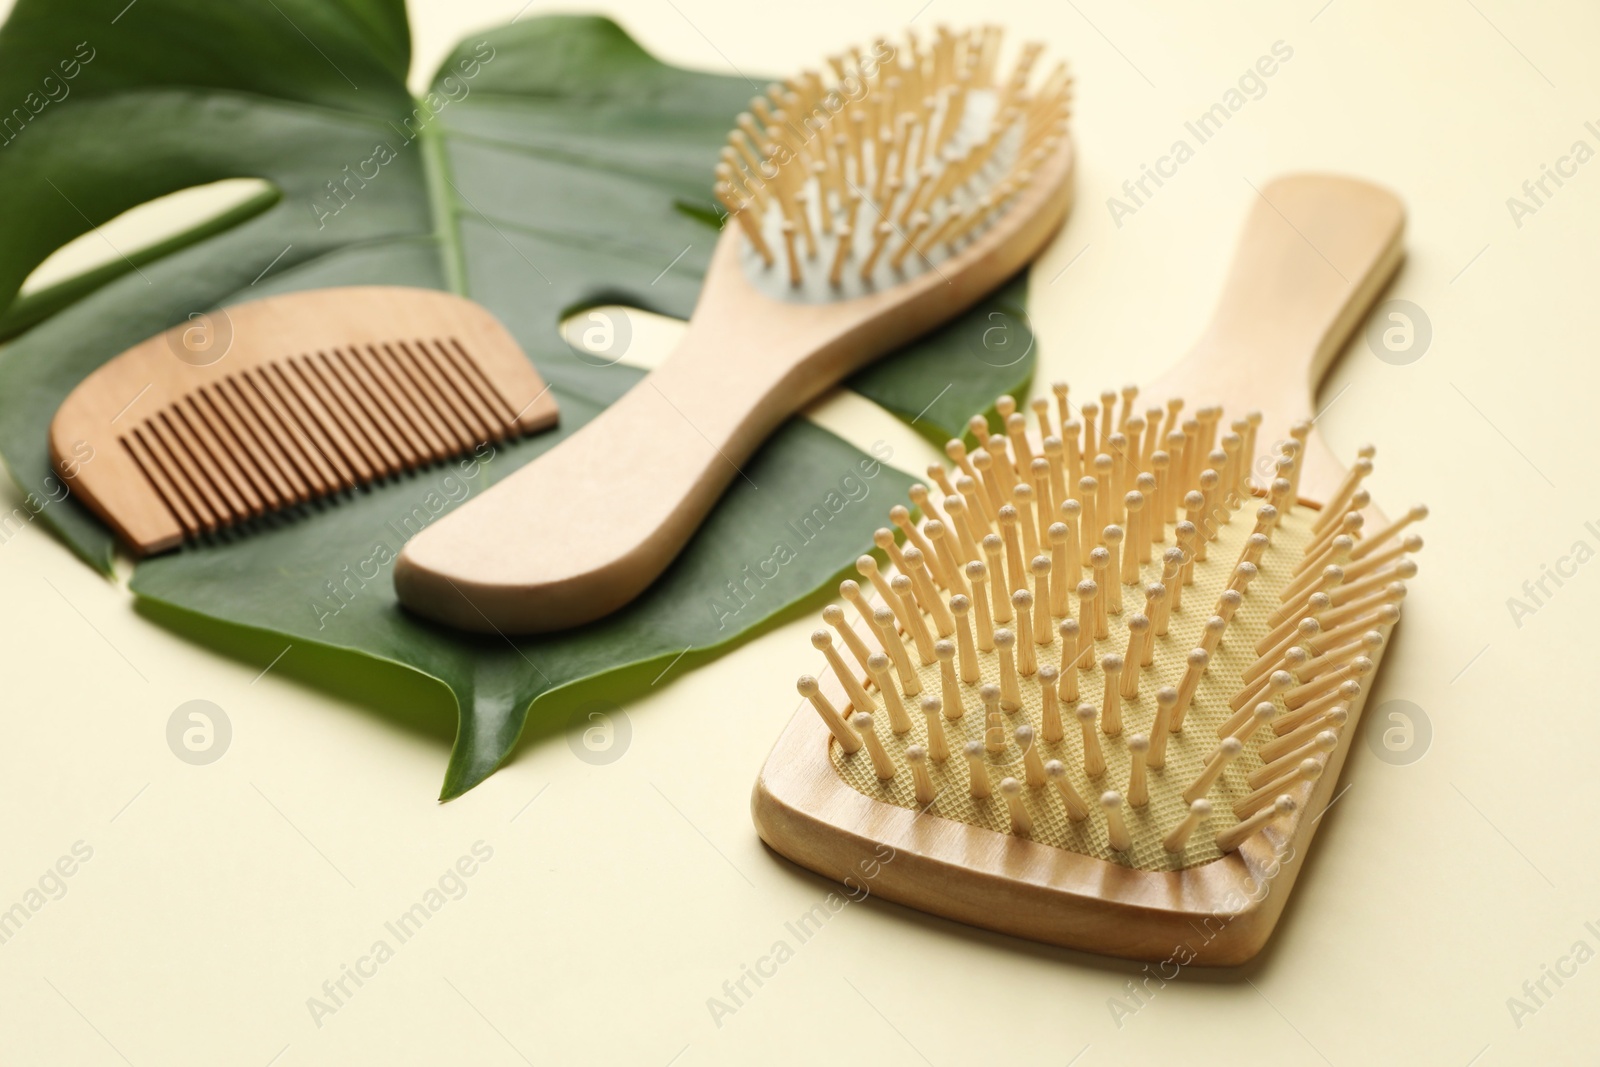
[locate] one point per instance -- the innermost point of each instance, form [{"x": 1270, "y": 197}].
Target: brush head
[
  {"x": 889, "y": 162},
  {"x": 1240, "y": 645}
]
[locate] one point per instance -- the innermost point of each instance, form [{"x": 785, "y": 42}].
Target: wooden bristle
[
  {"x": 1214, "y": 666},
  {"x": 898, "y": 157}
]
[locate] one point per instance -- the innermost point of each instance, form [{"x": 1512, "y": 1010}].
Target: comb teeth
[
  {"x": 314, "y": 392},
  {"x": 280, "y": 433},
  {"x": 905, "y": 155},
  {"x": 1212, "y": 664}
]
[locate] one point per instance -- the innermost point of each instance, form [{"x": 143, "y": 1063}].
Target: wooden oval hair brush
[
  {"x": 1140, "y": 641},
  {"x": 869, "y": 205}
]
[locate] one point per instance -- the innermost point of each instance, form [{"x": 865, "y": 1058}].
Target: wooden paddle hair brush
[{"x": 1101, "y": 694}]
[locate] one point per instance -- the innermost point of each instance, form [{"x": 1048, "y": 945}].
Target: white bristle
[{"x": 893, "y": 163}]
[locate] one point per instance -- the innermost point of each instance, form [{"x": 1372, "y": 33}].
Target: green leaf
[{"x": 554, "y": 165}]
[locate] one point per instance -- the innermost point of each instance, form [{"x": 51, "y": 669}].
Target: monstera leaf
[{"x": 552, "y": 166}]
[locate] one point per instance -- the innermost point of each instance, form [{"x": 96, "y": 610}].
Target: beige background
[{"x": 219, "y": 898}]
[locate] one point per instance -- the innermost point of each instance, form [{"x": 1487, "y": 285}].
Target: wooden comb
[
  {"x": 868, "y": 208},
  {"x": 1103, "y": 693},
  {"x": 276, "y": 402}
]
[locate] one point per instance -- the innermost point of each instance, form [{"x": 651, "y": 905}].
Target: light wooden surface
[
  {"x": 617, "y": 903},
  {"x": 635, "y": 483},
  {"x": 260, "y": 406}
]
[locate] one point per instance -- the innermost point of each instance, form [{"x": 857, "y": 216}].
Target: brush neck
[{"x": 1315, "y": 253}]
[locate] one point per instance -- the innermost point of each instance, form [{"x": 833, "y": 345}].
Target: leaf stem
[{"x": 436, "y": 175}]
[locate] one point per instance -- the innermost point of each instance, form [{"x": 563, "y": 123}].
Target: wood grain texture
[
  {"x": 585, "y": 529},
  {"x": 1315, "y": 252},
  {"x": 270, "y": 404}
]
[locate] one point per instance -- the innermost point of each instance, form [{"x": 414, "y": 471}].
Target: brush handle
[
  {"x": 586, "y": 527},
  {"x": 1315, "y": 253}
]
